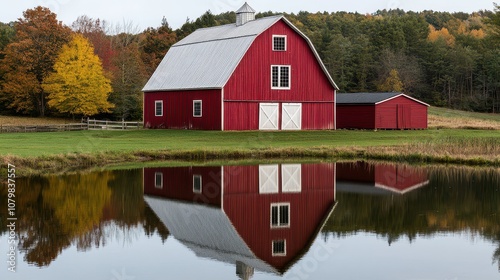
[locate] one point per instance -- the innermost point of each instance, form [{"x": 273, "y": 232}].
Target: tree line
[{"x": 93, "y": 67}]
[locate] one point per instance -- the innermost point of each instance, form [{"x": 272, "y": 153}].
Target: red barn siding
[
  {"x": 250, "y": 83},
  {"x": 399, "y": 178},
  {"x": 359, "y": 116},
  {"x": 178, "y": 109},
  {"x": 251, "y": 79},
  {"x": 241, "y": 115},
  {"x": 397, "y": 113},
  {"x": 318, "y": 116},
  {"x": 178, "y": 184},
  {"x": 356, "y": 171},
  {"x": 249, "y": 211},
  {"x": 401, "y": 113}
]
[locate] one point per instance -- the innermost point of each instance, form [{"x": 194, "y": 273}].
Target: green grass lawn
[{"x": 94, "y": 142}]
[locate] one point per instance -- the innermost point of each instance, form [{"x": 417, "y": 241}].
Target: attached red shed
[
  {"x": 387, "y": 110},
  {"x": 256, "y": 74}
]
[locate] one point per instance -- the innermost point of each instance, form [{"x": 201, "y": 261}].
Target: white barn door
[
  {"x": 291, "y": 178},
  {"x": 268, "y": 116},
  {"x": 291, "y": 116},
  {"x": 268, "y": 179}
]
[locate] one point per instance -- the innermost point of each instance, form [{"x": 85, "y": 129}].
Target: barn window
[
  {"x": 279, "y": 248},
  {"x": 158, "y": 180},
  {"x": 279, "y": 43},
  {"x": 197, "y": 108},
  {"x": 280, "y": 215},
  {"x": 280, "y": 77},
  {"x": 197, "y": 183},
  {"x": 159, "y": 108}
]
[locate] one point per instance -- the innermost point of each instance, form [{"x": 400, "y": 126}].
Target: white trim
[
  {"x": 318, "y": 58},
  {"x": 279, "y": 77},
  {"x": 222, "y": 109},
  {"x": 335, "y": 109},
  {"x": 280, "y": 225},
  {"x": 284, "y": 248},
  {"x": 334, "y": 182},
  {"x": 279, "y": 36},
  {"x": 159, "y": 186},
  {"x": 222, "y": 188},
  {"x": 404, "y": 95},
  {"x": 411, "y": 188},
  {"x": 159, "y": 102},
  {"x": 201, "y": 108},
  {"x": 195, "y": 190}
]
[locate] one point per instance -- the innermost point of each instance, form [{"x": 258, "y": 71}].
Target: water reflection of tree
[
  {"x": 456, "y": 200},
  {"x": 82, "y": 209}
]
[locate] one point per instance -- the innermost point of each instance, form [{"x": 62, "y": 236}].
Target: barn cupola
[{"x": 244, "y": 14}]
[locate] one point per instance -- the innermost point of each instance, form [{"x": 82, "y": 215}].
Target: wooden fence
[
  {"x": 42, "y": 128},
  {"x": 89, "y": 125},
  {"x": 110, "y": 125}
]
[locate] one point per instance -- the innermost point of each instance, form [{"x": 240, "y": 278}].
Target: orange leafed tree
[
  {"x": 30, "y": 57},
  {"x": 442, "y": 34},
  {"x": 78, "y": 85}
]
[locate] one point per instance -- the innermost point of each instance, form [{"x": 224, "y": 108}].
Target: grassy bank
[
  {"x": 51, "y": 152},
  {"x": 448, "y": 118}
]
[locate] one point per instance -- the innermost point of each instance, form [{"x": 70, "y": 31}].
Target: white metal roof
[
  {"x": 207, "y": 58},
  {"x": 245, "y": 9},
  {"x": 206, "y": 230}
]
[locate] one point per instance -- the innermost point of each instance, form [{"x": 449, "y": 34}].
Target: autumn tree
[
  {"x": 78, "y": 85},
  {"x": 29, "y": 59},
  {"x": 155, "y": 44},
  {"x": 392, "y": 83},
  {"x": 95, "y": 30}
]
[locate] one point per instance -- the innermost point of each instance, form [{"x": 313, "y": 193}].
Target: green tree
[
  {"x": 29, "y": 59},
  {"x": 129, "y": 78},
  {"x": 78, "y": 85}
]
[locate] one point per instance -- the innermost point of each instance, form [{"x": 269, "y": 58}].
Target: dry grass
[
  {"x": 10, "y": 120},
  {"x": 448, "y": 118},
  {"x": 462, "y": 123}
]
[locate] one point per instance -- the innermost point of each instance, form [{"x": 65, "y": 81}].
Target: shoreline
[{"x": 54, "y": 164}]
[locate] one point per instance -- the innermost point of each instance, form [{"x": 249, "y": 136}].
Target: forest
[{"x": 96, "y": 68}]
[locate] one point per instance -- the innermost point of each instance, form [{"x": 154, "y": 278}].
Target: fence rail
[
  {"x": 89, "y": 125},
  {"x": 43, "y": 128},
  {"x": 111, "y": 125}
]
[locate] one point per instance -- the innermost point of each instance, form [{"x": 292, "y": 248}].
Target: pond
[{"x": 344, "y": 220}]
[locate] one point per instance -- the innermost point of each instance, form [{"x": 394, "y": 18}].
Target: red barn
[
  {"x": 256, "y": 74},
  {"x": 388, "y": 110},
  {"x": 379, "y": 178},
  {"x": 262, "y": 216}
]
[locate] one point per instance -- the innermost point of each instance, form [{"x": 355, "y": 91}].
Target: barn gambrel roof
[
  {"x": 371, "y": 98},
  {"x": 207, "y": 58}
]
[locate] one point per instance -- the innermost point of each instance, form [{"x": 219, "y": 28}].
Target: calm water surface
[{"x": 272, "y": 221}]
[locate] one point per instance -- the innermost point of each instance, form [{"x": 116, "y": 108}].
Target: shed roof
[
  {"x": 207, "y": 58},
  {"x": 371, "y": 98}
]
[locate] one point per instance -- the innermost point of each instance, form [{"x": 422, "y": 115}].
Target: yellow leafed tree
[
  {"x": 78, "y": 85},
  {"x": 443, "y": 34},
  {"x": 392, "y": 83}
]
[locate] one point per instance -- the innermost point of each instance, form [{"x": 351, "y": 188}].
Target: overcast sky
[{"x": 148, "y": 13}]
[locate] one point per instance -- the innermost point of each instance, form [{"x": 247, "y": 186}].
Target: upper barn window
[{"x": 279, "y": 43}]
